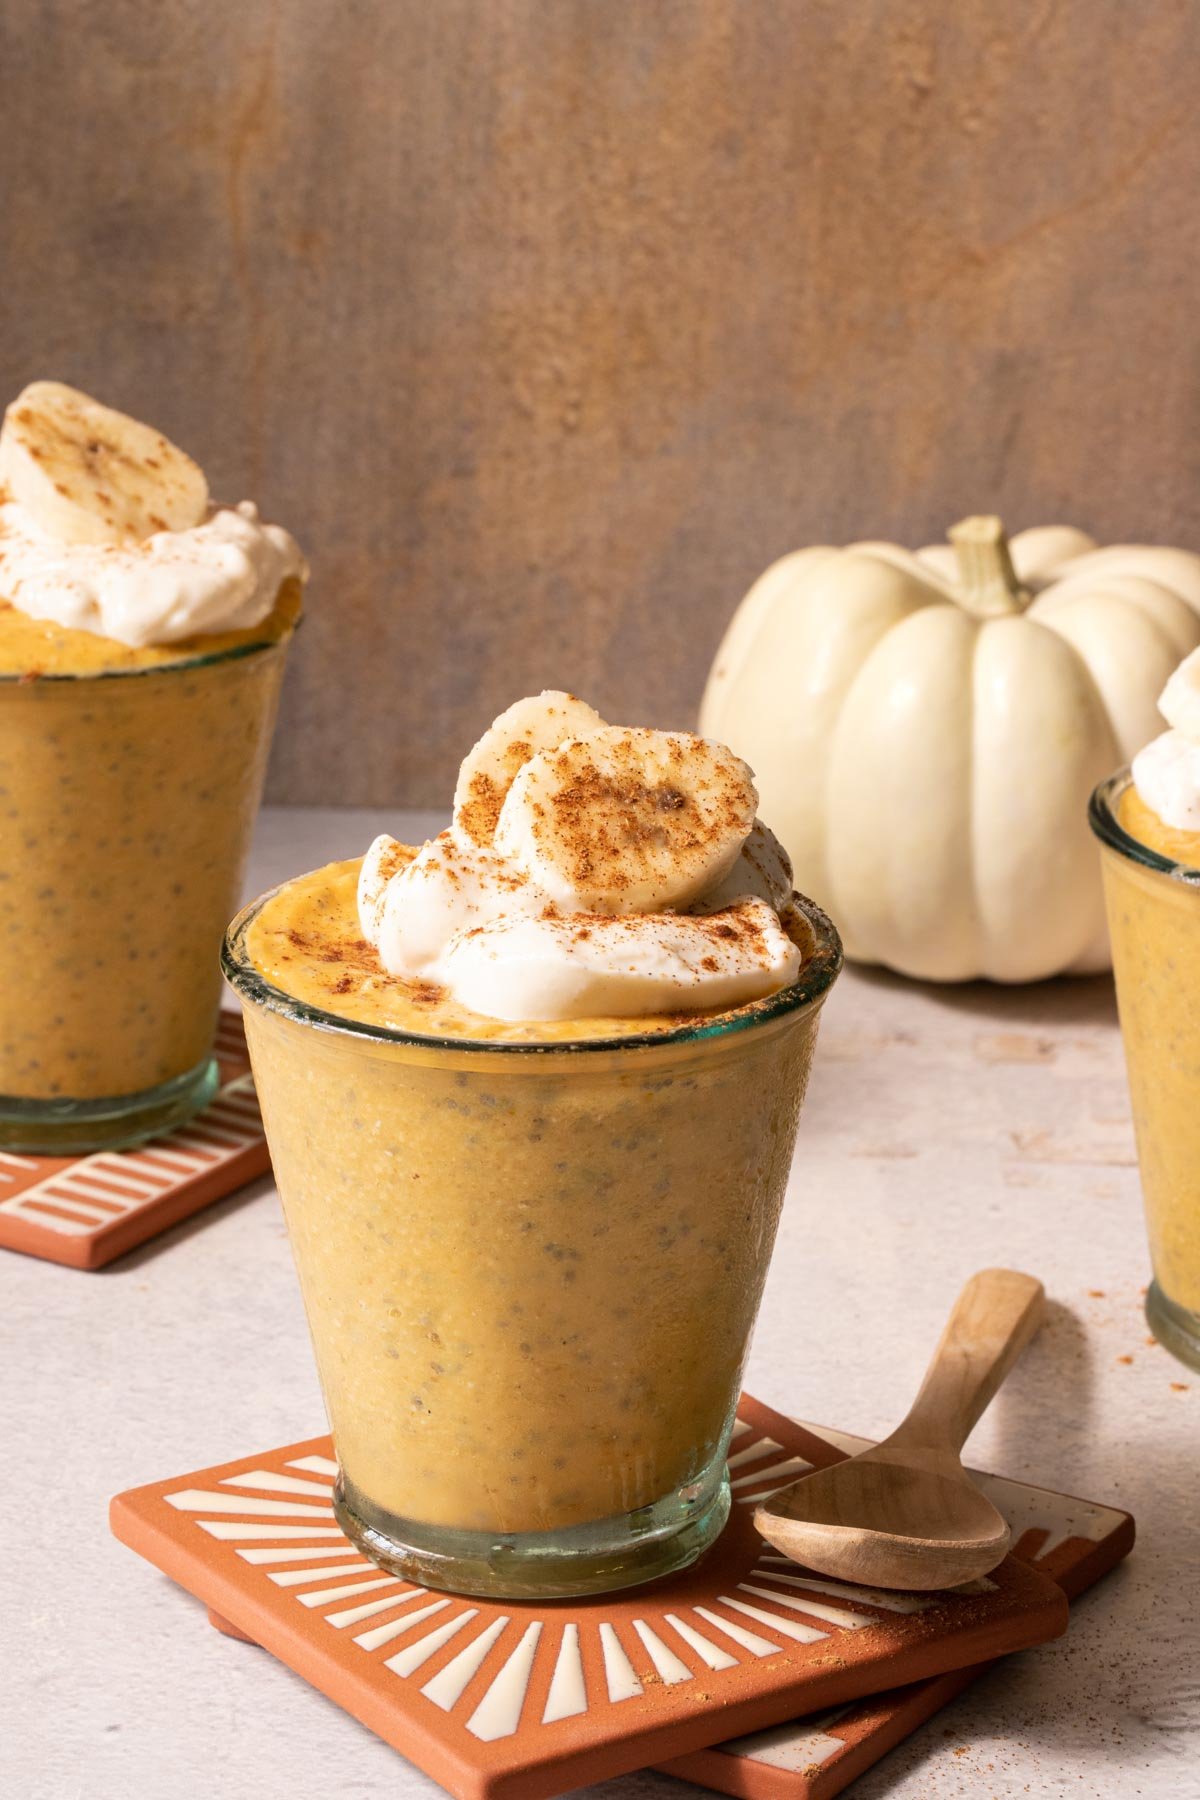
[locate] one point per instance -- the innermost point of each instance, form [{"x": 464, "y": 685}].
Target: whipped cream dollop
[
  {"x": 1167, "y": 776},
  {"x": 660, "y": 825},
  {"x": 221, "y": 575},
  {"x": 106, "y": 526},
  {"x": 1166, "y": 773}
]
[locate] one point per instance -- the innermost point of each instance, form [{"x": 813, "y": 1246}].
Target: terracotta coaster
[
  {"x": 812, "y": 1758},
  {"x": 84, "y": 1210},
  {"x": 530, "y": 1700}
]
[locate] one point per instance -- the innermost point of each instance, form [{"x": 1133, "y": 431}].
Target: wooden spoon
[{"x": 906, "y": 1514}]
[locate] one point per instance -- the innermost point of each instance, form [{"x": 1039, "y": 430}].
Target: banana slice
[
  {"x": 88, "y": 475},
  {"x": 627, "y": 820},
  {"x": 1179, "y": 702},
  {"x": 526, "y": 727}
]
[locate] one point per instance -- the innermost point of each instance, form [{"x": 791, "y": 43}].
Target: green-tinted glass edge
[{"x": 1102, "y": 817}]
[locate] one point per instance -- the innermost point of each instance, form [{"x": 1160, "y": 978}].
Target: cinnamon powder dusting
[
  {"x": 602, "y": 814},
  {"x": 479, "y": 814}
]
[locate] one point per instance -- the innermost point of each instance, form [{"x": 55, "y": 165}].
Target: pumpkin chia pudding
[
  {"x": 531, "y": 1092},
  {"x": 143, "y": 634},
  {"x": 1148, "y": 821}
]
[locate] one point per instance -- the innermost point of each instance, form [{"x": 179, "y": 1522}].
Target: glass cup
[
  {"x": 1154, "y": 922},
  {"x": 531, "y": 1272},
  {"x": 127, "y": 801}
]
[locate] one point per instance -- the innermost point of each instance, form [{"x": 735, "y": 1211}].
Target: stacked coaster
[
  {"x": 85, "y": 1210},
  {"x": 1073, "y": 1541},
  {"x": 532, "y": 1700}
]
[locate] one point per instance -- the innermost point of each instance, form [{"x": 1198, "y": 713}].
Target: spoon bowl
[
  {"x": 906, "y": 1514},
  {"x": 887, "y": 1524}
]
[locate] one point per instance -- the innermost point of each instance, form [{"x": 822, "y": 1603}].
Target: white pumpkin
[{"x": 926, "y": 728}]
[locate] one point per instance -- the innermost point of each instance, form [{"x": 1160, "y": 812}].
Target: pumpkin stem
[{"x": 985, "y": 567}]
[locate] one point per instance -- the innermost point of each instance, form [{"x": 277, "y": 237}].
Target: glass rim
[
  {"x": 1102, "y": 817},
  {"x": 817, "y": 975},
  {"x": 202, "y": 659}
]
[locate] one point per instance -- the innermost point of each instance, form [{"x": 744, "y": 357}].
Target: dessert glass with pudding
[
  {"x": 532, "y": 1149},
  {"x": 1148, "y": 822},
  {"x": 143, "y": 634}
]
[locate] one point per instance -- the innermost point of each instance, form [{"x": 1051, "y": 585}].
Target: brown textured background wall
[{"x": 547, "y": 323}]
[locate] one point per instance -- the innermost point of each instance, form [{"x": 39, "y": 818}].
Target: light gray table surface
[{"x": 945, "y": 1130}]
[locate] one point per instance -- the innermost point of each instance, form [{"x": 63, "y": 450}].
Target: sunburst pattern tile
[
  {"x": 815, "y": 1756},
  {"x": 493, "y": 1698},
  {"x": 86, "y": 1210}
]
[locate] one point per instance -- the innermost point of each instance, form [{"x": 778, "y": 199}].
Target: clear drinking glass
[
  {"x": 127, "y": 800},
  {"x": 1154, "y": 921},
  {"x": 531, "y": 1272}
]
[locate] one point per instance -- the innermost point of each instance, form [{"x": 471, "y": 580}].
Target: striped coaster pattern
[
  {"x": 85, "y": 1210},
  {"x": 1075, "y": 1542},
  {"x": 512, "y": 1698}
]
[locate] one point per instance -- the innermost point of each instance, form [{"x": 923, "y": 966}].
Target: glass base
[
  {"x": 1176, "y": 1329},
  {"x": 73, "y": 1127},
  {"x": 595, "y": 1558}
]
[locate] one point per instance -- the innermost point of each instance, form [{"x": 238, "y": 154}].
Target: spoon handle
[{"x": 994, "y": 1317}]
